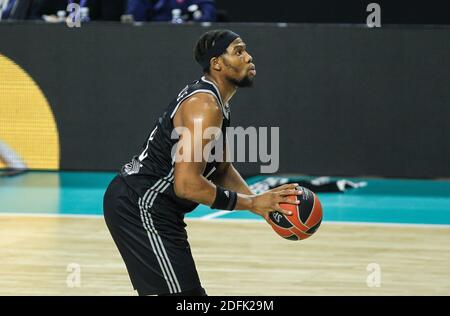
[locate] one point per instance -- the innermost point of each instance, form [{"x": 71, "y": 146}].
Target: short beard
[{"x": 246, "y": 82}]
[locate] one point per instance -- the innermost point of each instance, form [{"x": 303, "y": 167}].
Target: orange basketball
[{"x": 305, "y": 219}]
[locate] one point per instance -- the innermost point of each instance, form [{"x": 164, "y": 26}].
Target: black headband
[{"x": 219, "y": 47}]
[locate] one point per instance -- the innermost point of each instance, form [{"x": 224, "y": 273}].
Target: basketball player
[{"x": 144, "y": 206}]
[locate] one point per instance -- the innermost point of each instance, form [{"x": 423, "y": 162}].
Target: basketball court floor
[{"x": 391, "y": 237}]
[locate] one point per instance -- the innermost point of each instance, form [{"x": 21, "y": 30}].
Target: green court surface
[{"x": 381, "y": 201}]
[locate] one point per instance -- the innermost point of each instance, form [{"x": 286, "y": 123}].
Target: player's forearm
[
  {"x": 196, "y": 189},
  {"x": 200, "y": 190},
  {"x": 231, "y": 179}
]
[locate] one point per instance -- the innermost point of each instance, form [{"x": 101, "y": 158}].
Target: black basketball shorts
[{"x": 152, "y": 242}]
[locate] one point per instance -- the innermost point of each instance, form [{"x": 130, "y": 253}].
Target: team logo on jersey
[
  {"x": 133, "y": 167},
  {"x": 183, "y": 93}
]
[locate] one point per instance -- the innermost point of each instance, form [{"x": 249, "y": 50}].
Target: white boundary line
[
  {"x": 229, "y": 220},
  {"x": 214, "y": 215}
]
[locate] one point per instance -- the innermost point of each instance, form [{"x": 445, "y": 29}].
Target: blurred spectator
[
  {"x": 106, "y": 10},
  {"x": 6, "y": 7},
  {"x": 16, "y": 9},
  {"x": 31, "y": 9},
  {"x": 169, "y": 10},
  {"x": 103, "y": 10},
  {"x": 112, "y": 10}
]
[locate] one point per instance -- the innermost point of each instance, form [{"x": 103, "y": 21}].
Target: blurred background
[
  {"x": 369, "y": 101},
  {"x": 303, "y": 11}
]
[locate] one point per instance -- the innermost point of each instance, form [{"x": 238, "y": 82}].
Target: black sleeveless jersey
[{"x": 151, "y": 173}]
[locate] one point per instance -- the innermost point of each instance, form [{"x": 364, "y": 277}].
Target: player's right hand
[{"x": 269, "y": 201}]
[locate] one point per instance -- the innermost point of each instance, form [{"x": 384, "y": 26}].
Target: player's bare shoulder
[{"x": 199, "y": 106}]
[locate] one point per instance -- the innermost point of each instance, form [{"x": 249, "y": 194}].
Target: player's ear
[{"x": 215, "y": 64}]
